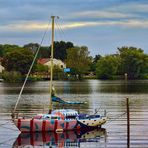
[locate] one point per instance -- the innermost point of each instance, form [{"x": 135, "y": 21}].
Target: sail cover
[{"x": 59, "y": 100}]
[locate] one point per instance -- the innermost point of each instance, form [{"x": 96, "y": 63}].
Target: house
[
  {"x": 57, "y": 62},
  {"x": 1, "y": 68}
]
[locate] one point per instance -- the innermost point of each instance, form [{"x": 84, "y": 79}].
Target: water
[{"x": 102, "y": 95}]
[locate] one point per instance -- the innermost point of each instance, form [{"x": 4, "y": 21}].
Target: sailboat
[{"x": 57, "y": 120}]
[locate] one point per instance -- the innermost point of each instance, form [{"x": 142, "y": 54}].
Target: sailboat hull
[{"x": 38, "y": 125}]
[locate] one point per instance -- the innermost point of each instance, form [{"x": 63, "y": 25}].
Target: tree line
[{"x": 129, "y": 61}]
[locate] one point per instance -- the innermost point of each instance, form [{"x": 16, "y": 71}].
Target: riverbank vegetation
[{"x": 128, "y": 62}]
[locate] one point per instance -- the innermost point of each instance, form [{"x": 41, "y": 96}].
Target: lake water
[{"x": 101, "y": 95}]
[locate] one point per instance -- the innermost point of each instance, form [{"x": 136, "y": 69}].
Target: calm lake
[{"x": 100, "y": 95}]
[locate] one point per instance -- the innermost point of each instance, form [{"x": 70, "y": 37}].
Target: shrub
[{"x": 12, "y": 76}]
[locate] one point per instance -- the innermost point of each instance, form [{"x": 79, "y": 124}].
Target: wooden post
[
  {"x": 125, "y": 76},
  {"x": 128, "y": 123}
]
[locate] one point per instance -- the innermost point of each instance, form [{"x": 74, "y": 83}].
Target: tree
[
  {"x": 107, "y": 66},
  {"x": 1, "y": 50},
  {"x": 144, "y": 69},
  {"x": 32, "y": 47},
  {"x": 78, "y": 59},
  {"x": 60, "y": 49},
  {"x": 8, "y": 48},
  {"x": 18, "y": 60},
  {"x": 96, "y": 58},
  {"x": 132, "y": 61},
  {"x": 44, "y": 52},
  {"x": 94, "y": 62}
]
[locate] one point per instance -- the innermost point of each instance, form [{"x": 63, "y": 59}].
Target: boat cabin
[{"x": 61, "y": 114}]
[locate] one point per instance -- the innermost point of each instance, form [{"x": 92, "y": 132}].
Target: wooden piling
[{"x": 128, "y": 123}]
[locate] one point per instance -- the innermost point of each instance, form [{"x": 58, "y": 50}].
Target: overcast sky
[{"x": 101, "y": 25}]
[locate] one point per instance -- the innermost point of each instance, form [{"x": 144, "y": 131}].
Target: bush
[
  {"x": 143, "y": 76},
  {"x": 12, "y": 76}
]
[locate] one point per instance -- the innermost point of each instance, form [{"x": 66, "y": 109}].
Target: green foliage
[
  {"x": 58, "y": 72},
  {"x": 12, "y": 76},
  {"x": 41, "y": 68},
  {"x": 32, "y": 47},
  {"x": 144, "y": 68},
  {"x": 60, "y": 49},
  {"x": 94, "y": 62},
  {"x": 44, "y": 52},
  {"x": 33, "y": 78},
  {"x": 132, "y": 61},
  {"x": 1, "y": 50},
  {"x": 78, "y": 59},
  {"x": 18, "y": 60},
  {"x": 8, "y": 48},
  {"x": 107, "y": 66}
]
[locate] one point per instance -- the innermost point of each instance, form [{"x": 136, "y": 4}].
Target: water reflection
[
  {"x": 121, "y": 86},
  {"x": 109, "y": 95},
  {"x": 65, "y": 139}
]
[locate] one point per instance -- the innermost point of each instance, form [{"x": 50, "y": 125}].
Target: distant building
[
  {"x": 46, "y": 61},
  {"x": 1, "y": 68}
]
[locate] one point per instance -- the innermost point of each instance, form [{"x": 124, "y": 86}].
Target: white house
[
  {"x": 1, "y": 68},
  {"x": 47, "y": 61}
]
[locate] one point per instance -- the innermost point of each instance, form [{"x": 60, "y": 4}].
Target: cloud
[
  {"x": 101, "y": 14},
  {"x": 35, "y": 26},
  {"x": 131, "y": 7}
]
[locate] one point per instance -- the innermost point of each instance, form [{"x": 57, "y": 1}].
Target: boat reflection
[{"x": 64, "y": 139}]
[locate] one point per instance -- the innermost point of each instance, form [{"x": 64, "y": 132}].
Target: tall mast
[{"x": 51, "y": 66}]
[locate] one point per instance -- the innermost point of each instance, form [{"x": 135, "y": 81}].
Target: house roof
[
  {"x": 46, "y": 61},
  {"x": 43, "y": 60}
]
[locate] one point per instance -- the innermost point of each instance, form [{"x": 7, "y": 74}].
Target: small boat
[
  {"x": 58, "y": 120},
  {"x": 64, "y": 139}
]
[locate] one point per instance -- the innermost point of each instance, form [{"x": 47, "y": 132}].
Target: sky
[{"x": 101, "y": 25}]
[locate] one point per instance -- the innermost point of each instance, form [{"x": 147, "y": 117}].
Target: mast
[{"x": 51, "y": 66}]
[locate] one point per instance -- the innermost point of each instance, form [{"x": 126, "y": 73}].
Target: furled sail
[{"x": 59, "y": 100}]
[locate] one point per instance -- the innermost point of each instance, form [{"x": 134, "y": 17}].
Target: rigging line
[
  {"x": 60, "y": 28},
  {"x": 113, "y": 119},
  {"x": 37, "y": 51},
  {"x": 55, "y": 34}
]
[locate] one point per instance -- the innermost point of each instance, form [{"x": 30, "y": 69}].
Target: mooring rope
[
  {"x": 116, "y": 117},
  {"x": 29, "y": 71}
]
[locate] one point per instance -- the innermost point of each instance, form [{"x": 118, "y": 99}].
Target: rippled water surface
[{"x": 101, "y": 95}]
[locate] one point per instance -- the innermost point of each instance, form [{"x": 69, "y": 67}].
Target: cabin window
[
  {"x": 70, "y": 117},
  {"x": 54, "y": 118}
]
